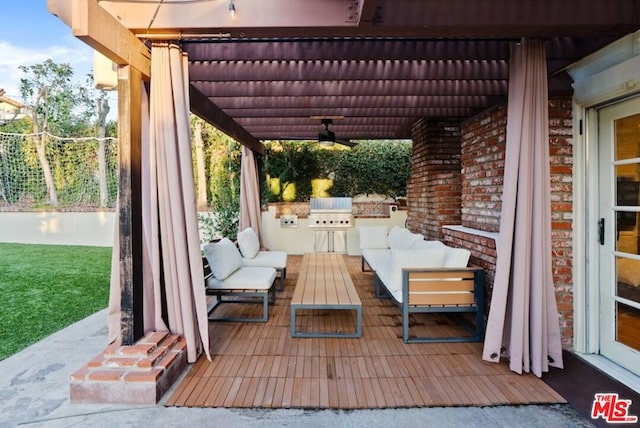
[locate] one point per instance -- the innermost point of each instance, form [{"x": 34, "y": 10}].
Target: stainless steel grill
[{"x": 330, "y": 213}]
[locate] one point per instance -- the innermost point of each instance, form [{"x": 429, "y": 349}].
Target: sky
[{"x": 29, "y": 35}]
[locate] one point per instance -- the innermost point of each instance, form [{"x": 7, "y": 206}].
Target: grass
[{"x": 45, "y": 288}]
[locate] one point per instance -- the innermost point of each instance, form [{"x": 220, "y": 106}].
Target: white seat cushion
[
  {"x": 274, "y": 259},
  {"x": 376, "y": 257},
  {"x": 245, "y": 278},
  {"x": 223, "y": 257},
  {"x": 249, "y": 243}
]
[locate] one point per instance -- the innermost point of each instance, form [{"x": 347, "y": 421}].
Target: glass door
[{"x": 618, "y": 232}]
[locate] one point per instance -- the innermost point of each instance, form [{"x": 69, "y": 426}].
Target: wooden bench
[
  {"x": 324, "y": 283},
  {"x": 442, "y": 290}
]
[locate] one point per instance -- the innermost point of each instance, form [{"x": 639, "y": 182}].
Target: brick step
[{"x": 136, "y": 374}]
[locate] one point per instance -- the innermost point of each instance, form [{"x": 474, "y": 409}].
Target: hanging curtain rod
[{"x": 183, "y": 36}]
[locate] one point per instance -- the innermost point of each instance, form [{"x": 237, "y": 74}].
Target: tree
[
  {"x": 292, "y": 163},
  {"x": 97, "y": 99},
  {"x": 372, "y": 167},
  {"x": 217, "y": 176},
  {"x": 201, "y": 177},
  {"x": 48, "y": 92},
  {"x": 225, "y": 183}
]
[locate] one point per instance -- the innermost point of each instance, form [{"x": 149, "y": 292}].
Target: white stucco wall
[
  {"x": 58, "y": 228},
  {"x": 97, "y": 229},
  {"x": 301, "y": 239}
]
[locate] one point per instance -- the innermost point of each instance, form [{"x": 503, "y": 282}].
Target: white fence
[{"x": 58, "y": 228}]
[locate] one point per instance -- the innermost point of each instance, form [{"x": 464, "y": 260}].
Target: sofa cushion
[
  {"x": 274, "y": 259},
  {"x": 402, "y": 238},
  {"x": 246, "y": 278},
  {"x": 249, "y": 243},
  {"x": 420, "y": 258},
  {"x": 373, "y": 236},
  {"x": 422, "y": 244},
  {"x": 375, "y": 257},
  {"x": 456, "y": 257},
  {"x": 223, "y": 257}
]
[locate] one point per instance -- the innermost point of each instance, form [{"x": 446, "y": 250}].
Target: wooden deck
[{"x": 262, "y": 366}]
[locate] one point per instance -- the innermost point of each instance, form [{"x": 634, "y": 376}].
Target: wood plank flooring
[{"x": 259, "y": 365}]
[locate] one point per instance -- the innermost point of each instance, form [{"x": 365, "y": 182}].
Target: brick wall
[
  {"x": 482, "y": 145},
  {"x": 483, "y": 151},
  {"x": 433, "y": 189},
  {"x": 561, "y": 163}
]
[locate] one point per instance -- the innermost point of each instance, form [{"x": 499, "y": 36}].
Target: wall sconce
[{"x": 232, "y": 10}]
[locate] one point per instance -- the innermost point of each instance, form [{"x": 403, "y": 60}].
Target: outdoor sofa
[{"x": 423, "y": 276}]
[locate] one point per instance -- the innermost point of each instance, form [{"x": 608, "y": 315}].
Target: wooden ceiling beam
[
  {"x": 208, "y": 111},
  {"x": 97, "y": 28},
  {"x": 356, "y": 111},
  {"x": 370, "y": 101},
  {"x": 397, "y": 18},
  {"x": 367, "y": 12},
  {"x": 349, "y": 70},
  {"x": 352, "y": 49},
  {"x": 352, "y": 88}
]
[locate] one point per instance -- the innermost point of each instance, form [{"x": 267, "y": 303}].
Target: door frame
[
  {"x": 607, "y": 116},
  {"x": 586, "y": 254},
  {"x": 602, "y": 78}
]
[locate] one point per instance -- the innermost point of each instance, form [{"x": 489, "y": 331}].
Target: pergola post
[{"x": 130, "y": 202}]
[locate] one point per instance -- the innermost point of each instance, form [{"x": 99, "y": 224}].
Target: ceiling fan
[{"x": 326, "y": 136}]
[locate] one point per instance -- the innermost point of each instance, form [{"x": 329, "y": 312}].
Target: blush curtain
[
  {"x": 523, "y": 323},
  {"x": 250, "y": 213},
  {"x": 174, "y": 295}
]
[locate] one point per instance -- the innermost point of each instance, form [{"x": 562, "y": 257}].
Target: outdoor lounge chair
[{"x": 230, "y": 282}]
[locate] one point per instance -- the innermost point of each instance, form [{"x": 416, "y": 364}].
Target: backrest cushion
[
  {"x": 456, "y": 257},
  {"x": 223, "y": 257},
  {"x": 373, "y": 236},
  {"x": 414, "y": 258},
  {"x": 249, "y": 243},
  {"x": 425, "y": 245},
  {"x": 402, "y": 238}
]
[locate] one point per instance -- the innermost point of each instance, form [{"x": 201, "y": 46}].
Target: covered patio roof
[{"x": 374, "y": 65}]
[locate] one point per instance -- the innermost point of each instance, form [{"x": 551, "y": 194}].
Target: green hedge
[{"x": 371, "y": 167}]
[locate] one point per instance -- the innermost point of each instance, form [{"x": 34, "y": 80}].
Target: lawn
[{"x": 45, "y": 288}]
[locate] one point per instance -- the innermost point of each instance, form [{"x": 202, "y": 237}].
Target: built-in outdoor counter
[{"x": 285, "y": 225}]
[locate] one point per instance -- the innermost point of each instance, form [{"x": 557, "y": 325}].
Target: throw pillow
[
  {"x": 249, "y": 243},
  {"x": 223, "y": 257}
]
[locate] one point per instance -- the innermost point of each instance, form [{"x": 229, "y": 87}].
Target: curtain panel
[
  {"x": 250, "y": 212},
  {"x": 174, "y": 295},
  {"x": 523, "y": 323}
]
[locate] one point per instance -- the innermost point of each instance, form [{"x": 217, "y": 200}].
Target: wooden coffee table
[{"x": 324, "y": 283}]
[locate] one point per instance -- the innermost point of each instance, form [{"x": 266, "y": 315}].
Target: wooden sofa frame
[
  {"x": 265, "y": 297},
  {"x": 448, "y": 290}
]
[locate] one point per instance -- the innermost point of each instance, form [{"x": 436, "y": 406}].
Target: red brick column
[
  {"x": 434, "y": 189},
  {"x": 137, "y": 374}
]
